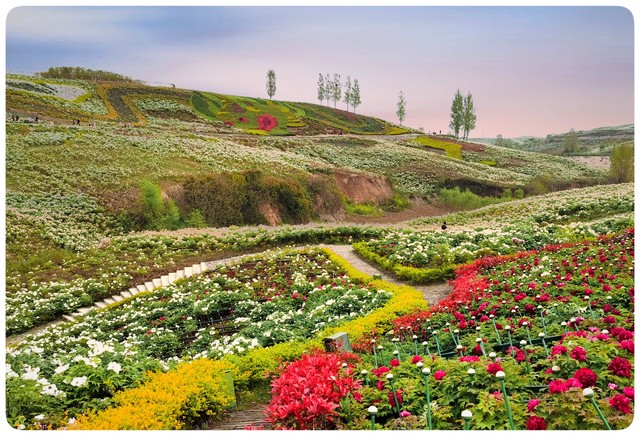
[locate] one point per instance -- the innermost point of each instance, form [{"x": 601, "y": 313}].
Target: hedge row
[
  {"x": 422, "y": 276},
  {"x": 185, "y": 397}
]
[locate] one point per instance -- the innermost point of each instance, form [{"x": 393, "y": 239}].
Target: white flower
[
  {"x": 39, "y": 417},
  {"x": 372, "y": 409},
  {"x": 79, "y": 381},
  {"x": 30, "y": 373},
  {"x": 61, "y": 369},
  {"x": 10, "y": 372},
  {"x": 115, "y": 367}
]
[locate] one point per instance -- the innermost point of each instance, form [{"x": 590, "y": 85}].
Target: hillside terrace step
[
  {"x": 126, "y": 294},
  {"x": 180, "y": 274},
  {"x": 69, "y": 317},
  {"x": 196, "y": 268},
  {"x": 149, "y": 286},
  {"x": 101, "y": 304},
  {"x": 188, "y": 271},
  {"x": 109, "y": 301},
  {"x": 164, "y": 280},
  {"x": 117, "y": 297},
  {"x": 172, "y": 277},
  {"x": 84, "y": 310},
  {"x": 76, "y": 314},
  {"x": 157, "y": 283},
  {"x": 203, "y": 266}
]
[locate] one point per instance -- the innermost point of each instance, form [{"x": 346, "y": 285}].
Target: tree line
[{"x": 331, "y": 90}]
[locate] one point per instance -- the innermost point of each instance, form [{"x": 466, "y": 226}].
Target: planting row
[
  {"x": 537, "y": 340},
  {"x": 76, "y": 366}
]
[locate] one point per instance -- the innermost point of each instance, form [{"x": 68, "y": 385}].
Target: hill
[
  {"x": 595, "y": 142},
  {"x": 146, "y": 157}
]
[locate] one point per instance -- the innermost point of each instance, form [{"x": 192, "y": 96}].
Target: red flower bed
[
  {"x": 308, "y": 391},
  {"x": 267, "y": 122}
]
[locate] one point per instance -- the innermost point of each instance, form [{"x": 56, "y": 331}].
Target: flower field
[
  {"x": 261, "y": 302},
  {"x": 541, "y": 339},
  {"x": 538, "y": 332}
]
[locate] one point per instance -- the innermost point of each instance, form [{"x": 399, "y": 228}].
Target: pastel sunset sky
[{"x": 531, "y": 70}]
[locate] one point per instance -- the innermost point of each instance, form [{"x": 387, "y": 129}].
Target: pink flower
[
  {"x": 531, "y": 405},
  {"x": 558, "y": 349},
  {"x": 405, "y": 413},
  {"x": 394, "y": 363},
  {"x": 392, "y": 400},
  {"x": 536, "y": 423},
  {"x": 493, "y": 368},
  {"x": 438, "y": 375},
  {"x": 416, "y": 359},
  {"x": 621, "y": 403},
  {"x": 627, "y": 344},
  {"x": 558, "y": 386},
  {"x": 469, "y": 359},
  {"x": 579, "y": 353},
  {"x": 586, "y": 377},
  {"x": 612, "y": 386},
  {"x": 620, "y": 366},
  {"x": 628, "y": 391},
  {"x": 380, "y": 371},
  {"x": 573, "y": 383}
]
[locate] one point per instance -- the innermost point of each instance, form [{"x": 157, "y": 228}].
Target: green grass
[
  {"x": 465, "y": 200},
  {"x": 450, "y": 149}
]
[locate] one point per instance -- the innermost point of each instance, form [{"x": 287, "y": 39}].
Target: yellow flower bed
[
  {"x": 166, "y": 401},
  {"x": 183, "y": 397}
]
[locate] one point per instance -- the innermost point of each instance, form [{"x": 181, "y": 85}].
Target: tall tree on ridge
[
  {"x": 457, "y": 107},
  {"x": 271, "y": 83},
  {"x": 468, "y": 116},
  {"x": 347, "y": 92},
  {"x": 321, "y": 88},
  {"x": 337, "y": 89},
  {"x": 355, "y": 95},
  {"x": 402, "y": 107}
]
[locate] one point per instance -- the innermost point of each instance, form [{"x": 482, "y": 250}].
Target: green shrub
[
  {"x": 466, "y": 199},
  {"x": 196, "y": 219},
  {"x": 156, "y": 212},
  {"x": 364, "y": 209}
]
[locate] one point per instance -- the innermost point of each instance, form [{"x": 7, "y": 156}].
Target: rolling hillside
[
  {"x": 222, "y": 160},
  {"x": 594, "y": 142}
]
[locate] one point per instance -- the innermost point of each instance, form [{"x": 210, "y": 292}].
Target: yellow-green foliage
[
  {"x": 405, "y": 300},
  {"x": 451, "y": 149},
  {"x": 181, "y": 398},
  {"x": 166, "y": 401}
]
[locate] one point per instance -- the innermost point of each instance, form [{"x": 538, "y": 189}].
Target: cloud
[{"x": 64, "y": 25}]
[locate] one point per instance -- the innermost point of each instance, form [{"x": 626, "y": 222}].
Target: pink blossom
[
  {"x": 531, "y": 405},
  {"x": 628, "y": 391},
  {"x": 438, "y": 375}
]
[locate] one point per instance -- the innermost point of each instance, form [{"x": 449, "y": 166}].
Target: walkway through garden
[{"x": 255, "y": 414}]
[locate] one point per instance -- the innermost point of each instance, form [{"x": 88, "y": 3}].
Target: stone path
[
  {"x": 432, "y": 293},
  {"x": 254, "y": 416}
]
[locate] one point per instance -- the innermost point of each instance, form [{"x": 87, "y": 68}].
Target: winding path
[{"x": 254, "y": 416}]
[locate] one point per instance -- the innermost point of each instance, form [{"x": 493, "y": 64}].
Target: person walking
[{"x": 444, "y": 225}]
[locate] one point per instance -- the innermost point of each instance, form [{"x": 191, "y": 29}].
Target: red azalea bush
[
  {"x": 267, "y": 122},
  {"x": 308, "y": 391}
]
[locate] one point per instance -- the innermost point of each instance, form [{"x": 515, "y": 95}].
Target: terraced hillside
[
  {"x": 134, "y": 103},
  {"x": 221, "y": 160}
]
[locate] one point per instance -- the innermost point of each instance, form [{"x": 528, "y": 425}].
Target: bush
[
  {"x": 466, "y": 199},
  {"x": 178, "y": 399},
  {"x": 157, "y": 213}
]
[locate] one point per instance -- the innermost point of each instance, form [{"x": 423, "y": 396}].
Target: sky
[{"x": 532, "y": 71}]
